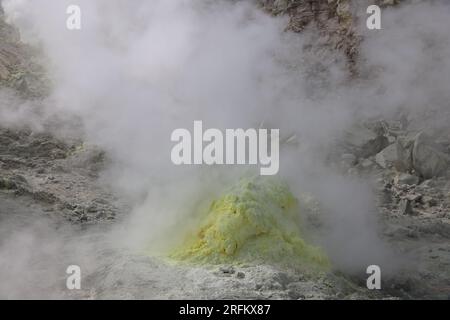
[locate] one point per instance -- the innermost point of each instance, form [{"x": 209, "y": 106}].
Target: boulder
[
  {"x": 405, "y": 178},
  {"x": 427, "y": 159},
  {"x": 365, "y": 142},
  {"x": 387, "y": 157},
  {"x": 404, "y": 148}
]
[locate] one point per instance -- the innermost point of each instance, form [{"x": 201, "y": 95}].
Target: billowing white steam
[{"x": 138, "y": 70}]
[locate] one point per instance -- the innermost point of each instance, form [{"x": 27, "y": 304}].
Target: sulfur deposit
[{"x": 256, "y": 220}]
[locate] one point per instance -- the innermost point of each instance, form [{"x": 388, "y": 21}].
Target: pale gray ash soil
[{"x": 50, "y": 188}]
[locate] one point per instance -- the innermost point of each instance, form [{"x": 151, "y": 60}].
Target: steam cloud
[{"x": 137, "y": 71}]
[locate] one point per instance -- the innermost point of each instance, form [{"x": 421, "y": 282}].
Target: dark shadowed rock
[
  {"x": 404, "y": 153},
  {"x": 406, "y": 207},
  {"x": 365, "y": 142}
]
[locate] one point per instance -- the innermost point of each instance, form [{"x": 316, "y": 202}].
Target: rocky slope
[{"x": 20, "y": 67}]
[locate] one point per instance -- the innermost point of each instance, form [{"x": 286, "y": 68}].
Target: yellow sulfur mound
[{"x": 257, "y": 220}]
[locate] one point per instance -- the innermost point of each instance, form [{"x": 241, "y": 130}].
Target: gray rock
[
  {"x": 413, "y": 197},
  {"x": 391, "y": 139},
  {"x": 387, "y": 157},
  {"x": 227, "y": 270},
  {"x": 17, "y": 182},
  {"x": 404, "y": 153},
  {"x": 406, "y": 207},
  {"x": 365, "y": 142},
  {"x": 428, "y": 160},
  {"x": 281, "y": 5},
  {"x": 429, "y": 201},
  {"x": 366, "y": 163},
  {"x": 405, "y": 178},
  {"x": 427, "y": 184}
]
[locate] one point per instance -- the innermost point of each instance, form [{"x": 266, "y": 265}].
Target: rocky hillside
[
  {"x": 20, "y": 67},
  {"x": 59, "y": 172}
]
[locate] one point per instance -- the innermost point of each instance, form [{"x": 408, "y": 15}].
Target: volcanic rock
[
  {"x": 406, "y": 207},
  {"x": 405, "y": 178},
  {"x": 428, "y": 160},
  {"x": 365, "y": 142},
  {"x": 387, "y": 157}
]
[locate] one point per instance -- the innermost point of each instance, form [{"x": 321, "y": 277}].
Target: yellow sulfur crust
[{"x": 257, "y": 220}]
